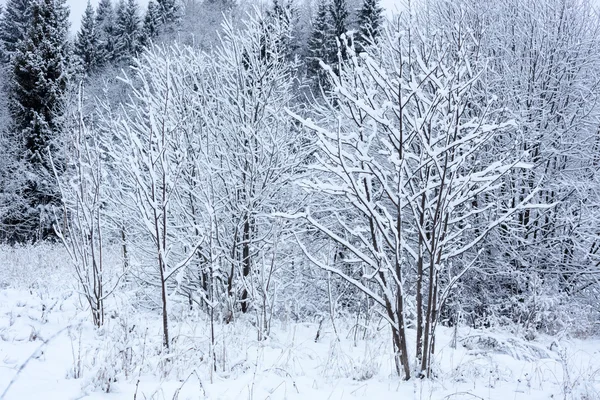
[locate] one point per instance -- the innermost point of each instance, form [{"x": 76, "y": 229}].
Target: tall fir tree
[
  {"x": 370, "y": 21},
  {"x": 40, "y": 67},
  {"x": 152, "y": 23},
  {"x": 128, "y": 29},
  {"x": 105, "y": 25},
  {"x": 87, "y": 43},
  {"x": 40, "y": 73},
  {"x": 13, "y": 26},
  {"x": 319, "y": 44}
]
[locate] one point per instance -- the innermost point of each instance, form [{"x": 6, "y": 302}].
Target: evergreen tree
[
  {"x": 40, "y": 68},
  {"x": 169, "y": 12},
  {"x": 285, "y": 15},
  {"x": 105, "y": 25},
  {"x": 87, "y": 43},
  {"x": 339, "y": 26},
  {"x": 161, "y": 16},
  {"x": 2, "y": 54},
  {"x": 319, "y": 44},
  {"x": 13, "y": 26},
  {"x": 152, "y": 23},
  {"x": 370, "y": 21},
  {"x": 128, "y": 29}
]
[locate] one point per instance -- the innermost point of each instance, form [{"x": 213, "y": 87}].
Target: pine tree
[
  {"x": 87, "y": 43},
  {"x": 13, "y": 26},
  {"x": 105, "y": 25},
  {"x": 319, "y": 43},
  {"x": 152, "y": 23},
  {"x": 128, "y": 29},
  {"x": 40, "y": 68},
  {"x": 370, "y": 20}
]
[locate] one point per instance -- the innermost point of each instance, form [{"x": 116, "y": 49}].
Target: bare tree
[
  {"x": 81, "y": 225},
  {"x": 397, "y": 174},
  {"x": 150, "y": 158},
  {"x": 254, "y": 150}
]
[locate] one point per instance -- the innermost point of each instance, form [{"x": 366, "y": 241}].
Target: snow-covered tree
[
  {"x": 105, "y": 25},
  {"x": 320, "y": 43},
  {"x": 201, "y": 21},
  {"x": 128, "y": 29},
  {"x": 87, "y": 43},
  {"x": 152, "y": 23},
  {"x": 170, "y": 12},
  {"x": 150, "y": 158},
  {"x": 542, "y": 68},
  {"x": 258, "y": 144},
  {"x": 161, "y": 17},
  {"x": 14, "y": 23},
  {"x": 338, "y": 10},
  {"x": 396, "y": 176},
  {"x": 370, "y": 23},
  {"x": 286, "y": 15},
  {"x": 80, "y": 221},
  {"x": 40, "y": 72}
]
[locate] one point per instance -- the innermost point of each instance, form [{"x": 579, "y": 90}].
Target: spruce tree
[
  {"x": 105, "y": 25},
  {"x": 319, "y": 44},
  {"x": 169, "y": 12},
  {"x": 339, "y": 25},
  {"x": 286, "y": 16},
  {"x": 13, "y": 26},
  {"x": 370, "y": 18},
  {"x": 40, "y": 68},
  {"x": 87, "y": 43},
  {"x": 128, "y": 29},
  {"x": 161, "y": 16},
  {"x": 152, "y": 23}
]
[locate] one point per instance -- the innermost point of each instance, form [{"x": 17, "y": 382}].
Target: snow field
[{"x": 50, "y": 350}]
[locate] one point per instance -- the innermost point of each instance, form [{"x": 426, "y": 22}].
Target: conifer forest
[{"x": 300, "y": 199}]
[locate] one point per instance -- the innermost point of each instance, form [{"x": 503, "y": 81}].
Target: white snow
[{"x": 51, "y": 351}]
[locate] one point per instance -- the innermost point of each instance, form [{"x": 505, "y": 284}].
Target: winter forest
[{"x": 300, "y": 199}]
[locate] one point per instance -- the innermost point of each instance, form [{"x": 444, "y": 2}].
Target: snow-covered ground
[{"x": 49, "y": 350}]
